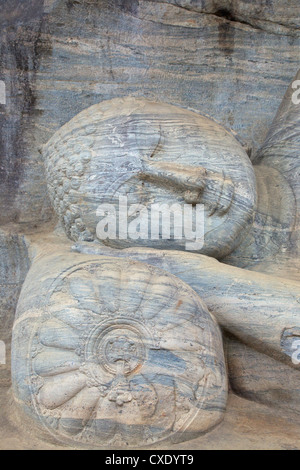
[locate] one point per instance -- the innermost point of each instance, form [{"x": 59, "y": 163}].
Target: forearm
[{"x": 256, "y": 308}]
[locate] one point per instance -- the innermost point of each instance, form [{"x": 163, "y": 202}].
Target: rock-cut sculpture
[{"x": 117, "y": 341}]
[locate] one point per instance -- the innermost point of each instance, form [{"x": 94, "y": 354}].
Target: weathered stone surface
[
  {"x": 271, "y": 245},
  {"x": 73, "y": 356},
  {"x": 277, "y": 171},
  {"x": 61, "y": 57},
  {"x": 110, "y": 352},
  {"x": 252, "y": 306},
  {"x": 277, "y": 251},
  {"x": 276, "y": 16},
  {"x": 246, "y": 426},
  {"x": 14, "y": 264},
  {"x": 260, "y": 378},
  {"x": 232, "y": 60},
  {"x": 151, "y": 153}
]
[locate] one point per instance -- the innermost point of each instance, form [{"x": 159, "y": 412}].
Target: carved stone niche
[{"x": 110, "y": 352}]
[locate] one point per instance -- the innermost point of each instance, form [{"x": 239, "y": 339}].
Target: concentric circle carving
[
  {"x": 117, "y": 347},
  {"x": 125, "y": 354}
]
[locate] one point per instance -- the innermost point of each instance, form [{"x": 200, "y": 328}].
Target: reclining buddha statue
[{"x": 118, "y": 331}]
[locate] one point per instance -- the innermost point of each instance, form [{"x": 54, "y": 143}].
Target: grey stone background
[{"x": 232, "y": 60}]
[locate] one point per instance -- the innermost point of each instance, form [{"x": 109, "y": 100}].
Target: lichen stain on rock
[
  {"x": 226, "y": 32},
  {"x": 22, "y": 45},
  {"x": 128, "y": 6},
  {"x": 20, "y": 12}
]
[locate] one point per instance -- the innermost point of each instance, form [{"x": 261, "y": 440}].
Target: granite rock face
[
  {"x": 112, "y": 352},
  {"x": 86, "y": 328},
  {"x": 152, "y": 155},
  {"x": 14, "y": 264},
  {"x": 232, "y": 60}
]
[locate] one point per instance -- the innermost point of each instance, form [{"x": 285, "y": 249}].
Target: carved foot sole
[{"x": 113, "y": 352}]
